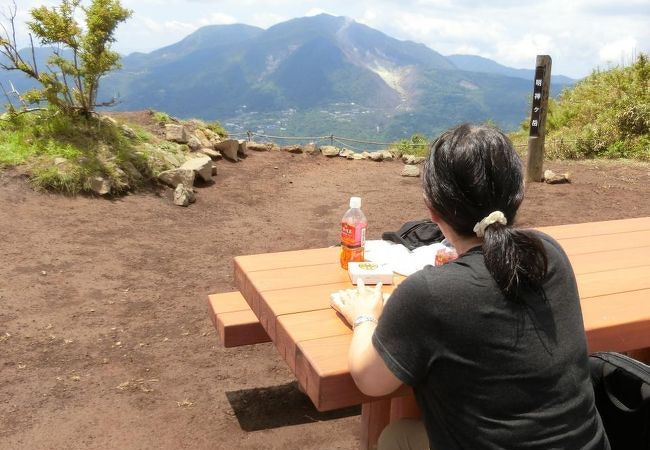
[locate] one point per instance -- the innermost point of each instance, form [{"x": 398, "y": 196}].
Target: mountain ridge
[{"x": 319, "y": 74}]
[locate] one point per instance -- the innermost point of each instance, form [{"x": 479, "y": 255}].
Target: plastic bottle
[{"x": 353, "y": 233}]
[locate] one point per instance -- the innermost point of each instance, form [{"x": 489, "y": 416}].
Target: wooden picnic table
[{"x": 289, "y": 293}]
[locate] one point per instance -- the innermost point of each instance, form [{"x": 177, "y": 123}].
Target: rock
[
  {"x": 59, "y": 161},
  {"x": 171, "y": 159},
  {"x": 100, "y": 185},
  {"x": 346, "y": 153},
  {"x": 194, "y": 143},
  {"x": 357, "y": 156},
  {"x": 365, "y": 154},
  {"x": 412, "y": 159},
  {"x": 551, "y": 177},
  {"x": 108, "y": 120},
  {"x": 229, "y": 149},
  {"x": 128, "y": 132},
  {"x": 183, "y": 196},
  {"x": 131, "y": 170},
  {"x": 241, "y": 151},
  {"x": 274, "y": 147},
  {"x": 411, "y": 170},
  {"x": 174, "y": 177},
  {"x": 257, "y": 147},
  {"x": 387, "y": 155},
  {"x": 211, "y": 153},
  {"x": 211, "y": 135},
  {"x": 329, "y": 150},
  {"x": 376, "y": 156},
  {"x": 176, "y": 133},
  {"x": 214, "y": 170},
  {"x": 295, "y": 149},
  {"x": 202, "y": 166},
  {"x": 309, "y": 149},
  {"x": 203, "y": 138}
]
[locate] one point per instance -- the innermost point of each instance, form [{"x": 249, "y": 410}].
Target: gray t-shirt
[{"x": 489, "y": 373}]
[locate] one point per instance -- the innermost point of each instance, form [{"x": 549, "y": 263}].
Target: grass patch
[{"x": 63, "y": 154}]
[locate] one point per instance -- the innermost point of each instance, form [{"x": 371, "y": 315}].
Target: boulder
[
  {"x": 309, "y": 149},
  {"x": 100, "y": 185},
  {"x": 241, "y": 151},
  {"x": 128, "y": 132},
  {"x": 228, "y": 148},
  {"x": 202, "y": 166},
  {"x": 346, "y": 153},
  {"x": 387, "y": 155},
  {"x": 411, "y": 170},
  {"x": 213, "y": 154},
  {"x": 203, "y": 138},
  {"x": 176, "y": 133},
  {"x": 357, "y": 156},
  {"x": 551, "y": 177},
  {"x": 376, "y": 156},
  {"x": 211, "y": 135},
  {"x": 174, "y": 177},
  {"x": 412, "y": 159},
  {"x": 194, "y": 143},
  {"x": 257, "y": 147},
  {"x": 108, "y": 120},
  {"x": 329, "y": 150},
  {"x": 183, "y": 196},
  {"x": 296, "y": 149}
]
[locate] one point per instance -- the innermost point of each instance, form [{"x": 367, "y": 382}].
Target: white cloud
[{"x": 620, "y": 51}]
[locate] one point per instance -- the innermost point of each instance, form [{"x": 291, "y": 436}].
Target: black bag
[
  {"x": 622, "y": 389},
  {"x": 415, "y": 234}
]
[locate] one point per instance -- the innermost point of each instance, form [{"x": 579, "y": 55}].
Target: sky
[{"x": 580, "y": 35}]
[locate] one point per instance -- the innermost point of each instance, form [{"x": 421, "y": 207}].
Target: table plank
[
  {"x": 614, "y": 281},
  {"x": 293, "y": 258},
  {"x": 618, "y": 322},
  {"x": 590, "y": 244},
  {"x": 610, "y": 260},
  {"x": 327, "y": 382},
  {"x": 597, "y": 228}
]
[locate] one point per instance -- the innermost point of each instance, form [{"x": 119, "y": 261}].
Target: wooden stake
[{"x": 541, "y": 87}]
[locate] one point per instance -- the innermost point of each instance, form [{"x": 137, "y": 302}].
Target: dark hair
[{"x": 470, "y": 172}]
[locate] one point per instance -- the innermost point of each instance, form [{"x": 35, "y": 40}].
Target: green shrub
[
  {"x": 161, "y": 117},
  {"x": 217, "y": 128},
  {"x": 417, "y": 144}
]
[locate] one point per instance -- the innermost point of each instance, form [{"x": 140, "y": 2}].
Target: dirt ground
[{"x": 105, "y": 341}]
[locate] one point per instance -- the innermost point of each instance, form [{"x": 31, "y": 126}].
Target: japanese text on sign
[{"x": 537, "y": 102}]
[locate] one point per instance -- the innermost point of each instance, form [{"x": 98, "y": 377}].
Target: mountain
[
  {"x": 318, "y": 75},
  {"x": 474, "y": 63}
]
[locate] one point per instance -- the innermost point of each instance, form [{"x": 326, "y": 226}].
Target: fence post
[
  {"x": 541, "y": 87},
  {"x": 331, "y": 139},
  {"x": 250, "y": 135}
]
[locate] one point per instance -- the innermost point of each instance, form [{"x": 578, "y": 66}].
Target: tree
[{"x": 69, "y": 85}]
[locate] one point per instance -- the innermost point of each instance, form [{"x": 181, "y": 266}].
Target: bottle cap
[{"x": 355, "y": 202}]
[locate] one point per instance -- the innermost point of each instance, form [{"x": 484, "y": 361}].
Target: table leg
[
  {"x": 374, "y": 418},
  {"x": 404, "y": 408}
]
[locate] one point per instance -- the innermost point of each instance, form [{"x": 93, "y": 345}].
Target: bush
[{"x": 417, "y": 144}]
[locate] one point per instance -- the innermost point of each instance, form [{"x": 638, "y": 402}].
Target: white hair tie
[{"x": 496, "y": 216}]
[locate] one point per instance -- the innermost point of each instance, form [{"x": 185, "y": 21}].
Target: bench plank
[{"x": 234, "y": 320}]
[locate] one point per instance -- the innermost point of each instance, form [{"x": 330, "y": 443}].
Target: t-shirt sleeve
[{"x": 402, "y": 335}]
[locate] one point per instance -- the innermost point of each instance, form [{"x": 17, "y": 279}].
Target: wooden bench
[{"x": 234, "y": 320}]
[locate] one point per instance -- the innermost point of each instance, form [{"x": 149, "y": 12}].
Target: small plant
[
  {"x": 217, "y": 128},
  {"x": 417, "y": 144},
  {"x": 161, "y": 117}
]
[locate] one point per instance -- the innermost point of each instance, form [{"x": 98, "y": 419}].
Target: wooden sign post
[{"x": 541, "y": 86}]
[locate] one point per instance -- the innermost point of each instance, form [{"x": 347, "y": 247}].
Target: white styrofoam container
[{"x": 370, "y": 272}]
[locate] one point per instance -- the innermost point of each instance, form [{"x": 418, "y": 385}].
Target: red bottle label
[{"x": 353, "y": 236}]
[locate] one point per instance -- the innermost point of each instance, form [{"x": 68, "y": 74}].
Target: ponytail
[{"x": 516, "y": 259}]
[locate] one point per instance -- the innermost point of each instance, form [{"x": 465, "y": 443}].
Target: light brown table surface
[{"x": 289, "y": 293}]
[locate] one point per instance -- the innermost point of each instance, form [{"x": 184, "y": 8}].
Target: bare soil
[{"x": 104, "y": 337}]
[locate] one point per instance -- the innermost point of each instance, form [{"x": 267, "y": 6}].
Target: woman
[{"x": 492, "y": 343}]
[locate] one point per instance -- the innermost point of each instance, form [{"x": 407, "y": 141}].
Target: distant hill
[
  {"x": 474, "y": 63},
  {"x": 318, "y": 75}
]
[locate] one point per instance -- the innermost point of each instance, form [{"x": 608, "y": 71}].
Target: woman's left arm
[{"x": 362, "y": 308}]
